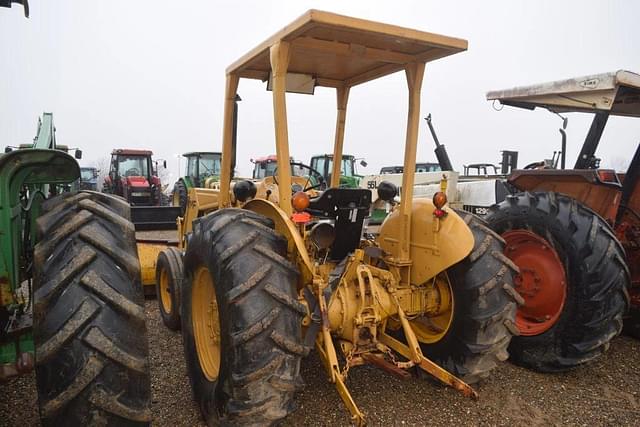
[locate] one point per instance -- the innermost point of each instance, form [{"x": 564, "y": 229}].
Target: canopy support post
[
  {"x": 343, "y": 97},
  {"x": 414, "y": 73},
  {"x": 231, "y": 89},
  {"x": 279, "y": 56}
]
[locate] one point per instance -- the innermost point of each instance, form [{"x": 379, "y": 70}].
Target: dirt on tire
[{"x": 89, "y": 324}]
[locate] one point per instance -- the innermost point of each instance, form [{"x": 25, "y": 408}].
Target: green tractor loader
[
  {"x": 348, "y": 172},
  {"x": 70, "y": 297},
  {"x": 203, "y": 170}
]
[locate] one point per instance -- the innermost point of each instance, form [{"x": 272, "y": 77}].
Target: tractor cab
[
  {"x": 420, "y": 167},
  {"x": 88, "y": 178},
  {"x": 132, "y": 175},
  {"x": 265, "y": 166},
  {"x": 349, "y": 178},
  {"x": 202, "y": 165}
]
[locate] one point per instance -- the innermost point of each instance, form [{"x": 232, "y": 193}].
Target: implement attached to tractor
[{"x": 275, "y": 267}]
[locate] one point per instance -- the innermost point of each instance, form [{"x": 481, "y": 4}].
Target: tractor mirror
[
  {"x": 164, "y": 163},
  {"x": 78, "y": 154},
  {"x": 565, "y": 121},
  {"x": 8, "y": 149},
  {"x": 363, "y": 163}
]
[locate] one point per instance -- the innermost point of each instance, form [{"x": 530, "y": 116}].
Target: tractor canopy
[
  {"x": 616, "y": 93},
  {"x": 334, "y": 51},
  {"x": 608, "y": 94}
]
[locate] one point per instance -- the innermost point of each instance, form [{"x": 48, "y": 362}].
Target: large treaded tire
[
  {"x": 632, "y": 323},
  {"x": 89, "y": 324},
  {"x": 179, "y": 197},
  {"x": 260, "y": 319},
  {"x": 484, "y": 308},
  {"x": 597, "y": 279},
  {"x": 170, "y": 260}
]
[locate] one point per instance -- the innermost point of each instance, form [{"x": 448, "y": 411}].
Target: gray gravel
[{"x": 607, "y": 392}]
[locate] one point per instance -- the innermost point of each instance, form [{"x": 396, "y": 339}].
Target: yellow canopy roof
[{"x": 339, "y": 50}]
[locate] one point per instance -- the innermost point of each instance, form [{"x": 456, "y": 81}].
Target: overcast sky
[{"x": 150, "y": 74}]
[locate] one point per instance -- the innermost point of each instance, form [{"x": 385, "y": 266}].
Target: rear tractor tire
[
  {"x": 573, "y": 279},
  {"x": 169, "y": 273},
  {"x": 89, "y": 323},
  {"x": 475, "y": 337},
  {"x": 241, "y": 320}
]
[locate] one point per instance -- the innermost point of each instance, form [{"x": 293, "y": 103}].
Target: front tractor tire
[
  {"x": 169, "y": 273},
  {"x": 241, "y": 320},
  {"x": 89, "y": 323},
  {"x": 573, "y": 278},
  {"x": 472, "y": 342}
]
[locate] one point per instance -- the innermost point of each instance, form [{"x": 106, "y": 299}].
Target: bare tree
[{"x": 102, "y": 165}]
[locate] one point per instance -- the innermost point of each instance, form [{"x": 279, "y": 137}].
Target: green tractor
[
  {"x": 71, "y": 304},
  {"x": 348, "y": 172},
  {"x": 203, "y": 170}
]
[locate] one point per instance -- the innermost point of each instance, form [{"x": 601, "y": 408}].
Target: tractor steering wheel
[
  {"x": 132, "y": 172},
  {"x": 317, "y": 175}
]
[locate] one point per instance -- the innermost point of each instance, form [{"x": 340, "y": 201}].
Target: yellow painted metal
[
  {"x": 357, "y": 417},
  {"x": 148, "y": 254},
  {"x": 296, "y": 249},
  {"x": 343, "y": 96},
  {"x": 200, "y": 201},
  {"x": 328, "y": 356},
  {"x": 205, "y": 319},
  {"x": 432, "y": 327},
  {"x": 267, "y": 188},
  {"x": 279, "y": 57},
  {"x": 434, "y": 245},
  {"x": 231, "y": 90},
  {"x": 342, "y": 52},
  {"x": 414, "y": 73},
  {"x": 165, "y": 294},
  {"x": 430, "y": 367}
]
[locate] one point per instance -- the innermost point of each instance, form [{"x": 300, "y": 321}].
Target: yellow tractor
[{"x": 266, "y": 271}]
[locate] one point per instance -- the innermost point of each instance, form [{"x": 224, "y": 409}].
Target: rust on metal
[{"x": 380, "y": 362}]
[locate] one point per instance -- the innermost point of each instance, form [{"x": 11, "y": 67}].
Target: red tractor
[
  {"x": 132, "y": 175},
  {"x": 574, "y": 233}
]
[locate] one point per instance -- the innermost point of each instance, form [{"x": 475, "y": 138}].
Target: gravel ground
[{"x": 607, "y": 392}]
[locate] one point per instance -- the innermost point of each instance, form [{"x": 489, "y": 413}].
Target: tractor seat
[{"x": 348, "y": 207}]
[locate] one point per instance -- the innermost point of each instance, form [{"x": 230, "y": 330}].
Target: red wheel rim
[{"x": 542, "y": 281}]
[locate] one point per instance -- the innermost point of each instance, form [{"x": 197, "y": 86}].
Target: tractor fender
[
  {"x": 435, "y": 244},
  {"x": 296, "y": 249}
]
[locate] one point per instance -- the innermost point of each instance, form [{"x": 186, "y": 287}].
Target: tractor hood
[{"x": 137, "y": 181}]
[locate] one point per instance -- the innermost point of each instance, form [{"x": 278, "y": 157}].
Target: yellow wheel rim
[
  {"x": 433, "y": 326},
  {"x": 165, "y": 294},
  {"x": 206, "y": 323}
]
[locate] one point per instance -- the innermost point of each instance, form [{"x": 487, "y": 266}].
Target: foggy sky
[{"x": 150, "y": 74}]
